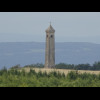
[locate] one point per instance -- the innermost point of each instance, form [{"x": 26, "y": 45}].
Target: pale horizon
[{"x": 31, "y": 26}]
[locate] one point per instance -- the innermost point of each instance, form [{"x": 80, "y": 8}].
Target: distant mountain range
[{"x": 23, "y": 53}]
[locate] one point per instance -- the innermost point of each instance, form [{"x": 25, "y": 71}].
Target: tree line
[{"x": 95, "y": 66}]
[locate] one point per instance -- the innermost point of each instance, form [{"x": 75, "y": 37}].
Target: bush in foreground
[{"x": 15, "y": 78}]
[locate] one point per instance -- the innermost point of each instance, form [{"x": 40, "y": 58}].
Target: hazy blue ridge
[{"x": 23, "y": 53}]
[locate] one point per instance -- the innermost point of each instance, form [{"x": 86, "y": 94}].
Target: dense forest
[{"x": 15, "y": 78}]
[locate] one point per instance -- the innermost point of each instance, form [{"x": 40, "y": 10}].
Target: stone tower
[{"x": 50, "y": 48}]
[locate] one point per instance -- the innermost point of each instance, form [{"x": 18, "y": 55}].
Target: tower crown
[{"x": 50, "y": 29}]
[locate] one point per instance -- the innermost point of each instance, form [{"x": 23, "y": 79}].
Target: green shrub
[{"x": 16, "y": 78}]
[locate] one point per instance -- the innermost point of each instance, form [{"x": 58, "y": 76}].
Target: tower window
[
  {"x": 47, "y": 35},
  {"x": 51, "y": 36}
]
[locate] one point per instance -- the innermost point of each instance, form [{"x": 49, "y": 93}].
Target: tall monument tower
[{"x": 50, "y": 48}]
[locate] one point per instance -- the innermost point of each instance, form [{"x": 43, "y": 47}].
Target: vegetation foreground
[{"x": 16, "y": 78}]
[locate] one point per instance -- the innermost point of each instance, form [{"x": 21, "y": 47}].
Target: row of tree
[{"x": 95, "y": 66}]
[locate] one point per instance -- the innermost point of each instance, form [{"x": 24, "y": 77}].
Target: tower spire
[
  {"x": 50, "y": 29},
  {"x": 50, "y": 22}
]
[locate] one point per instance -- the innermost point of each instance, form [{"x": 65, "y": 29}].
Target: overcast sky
[{"x": 31, "y": 26}]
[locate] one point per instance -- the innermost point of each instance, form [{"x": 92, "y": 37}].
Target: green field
[{"x": 65, "y": 71}]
